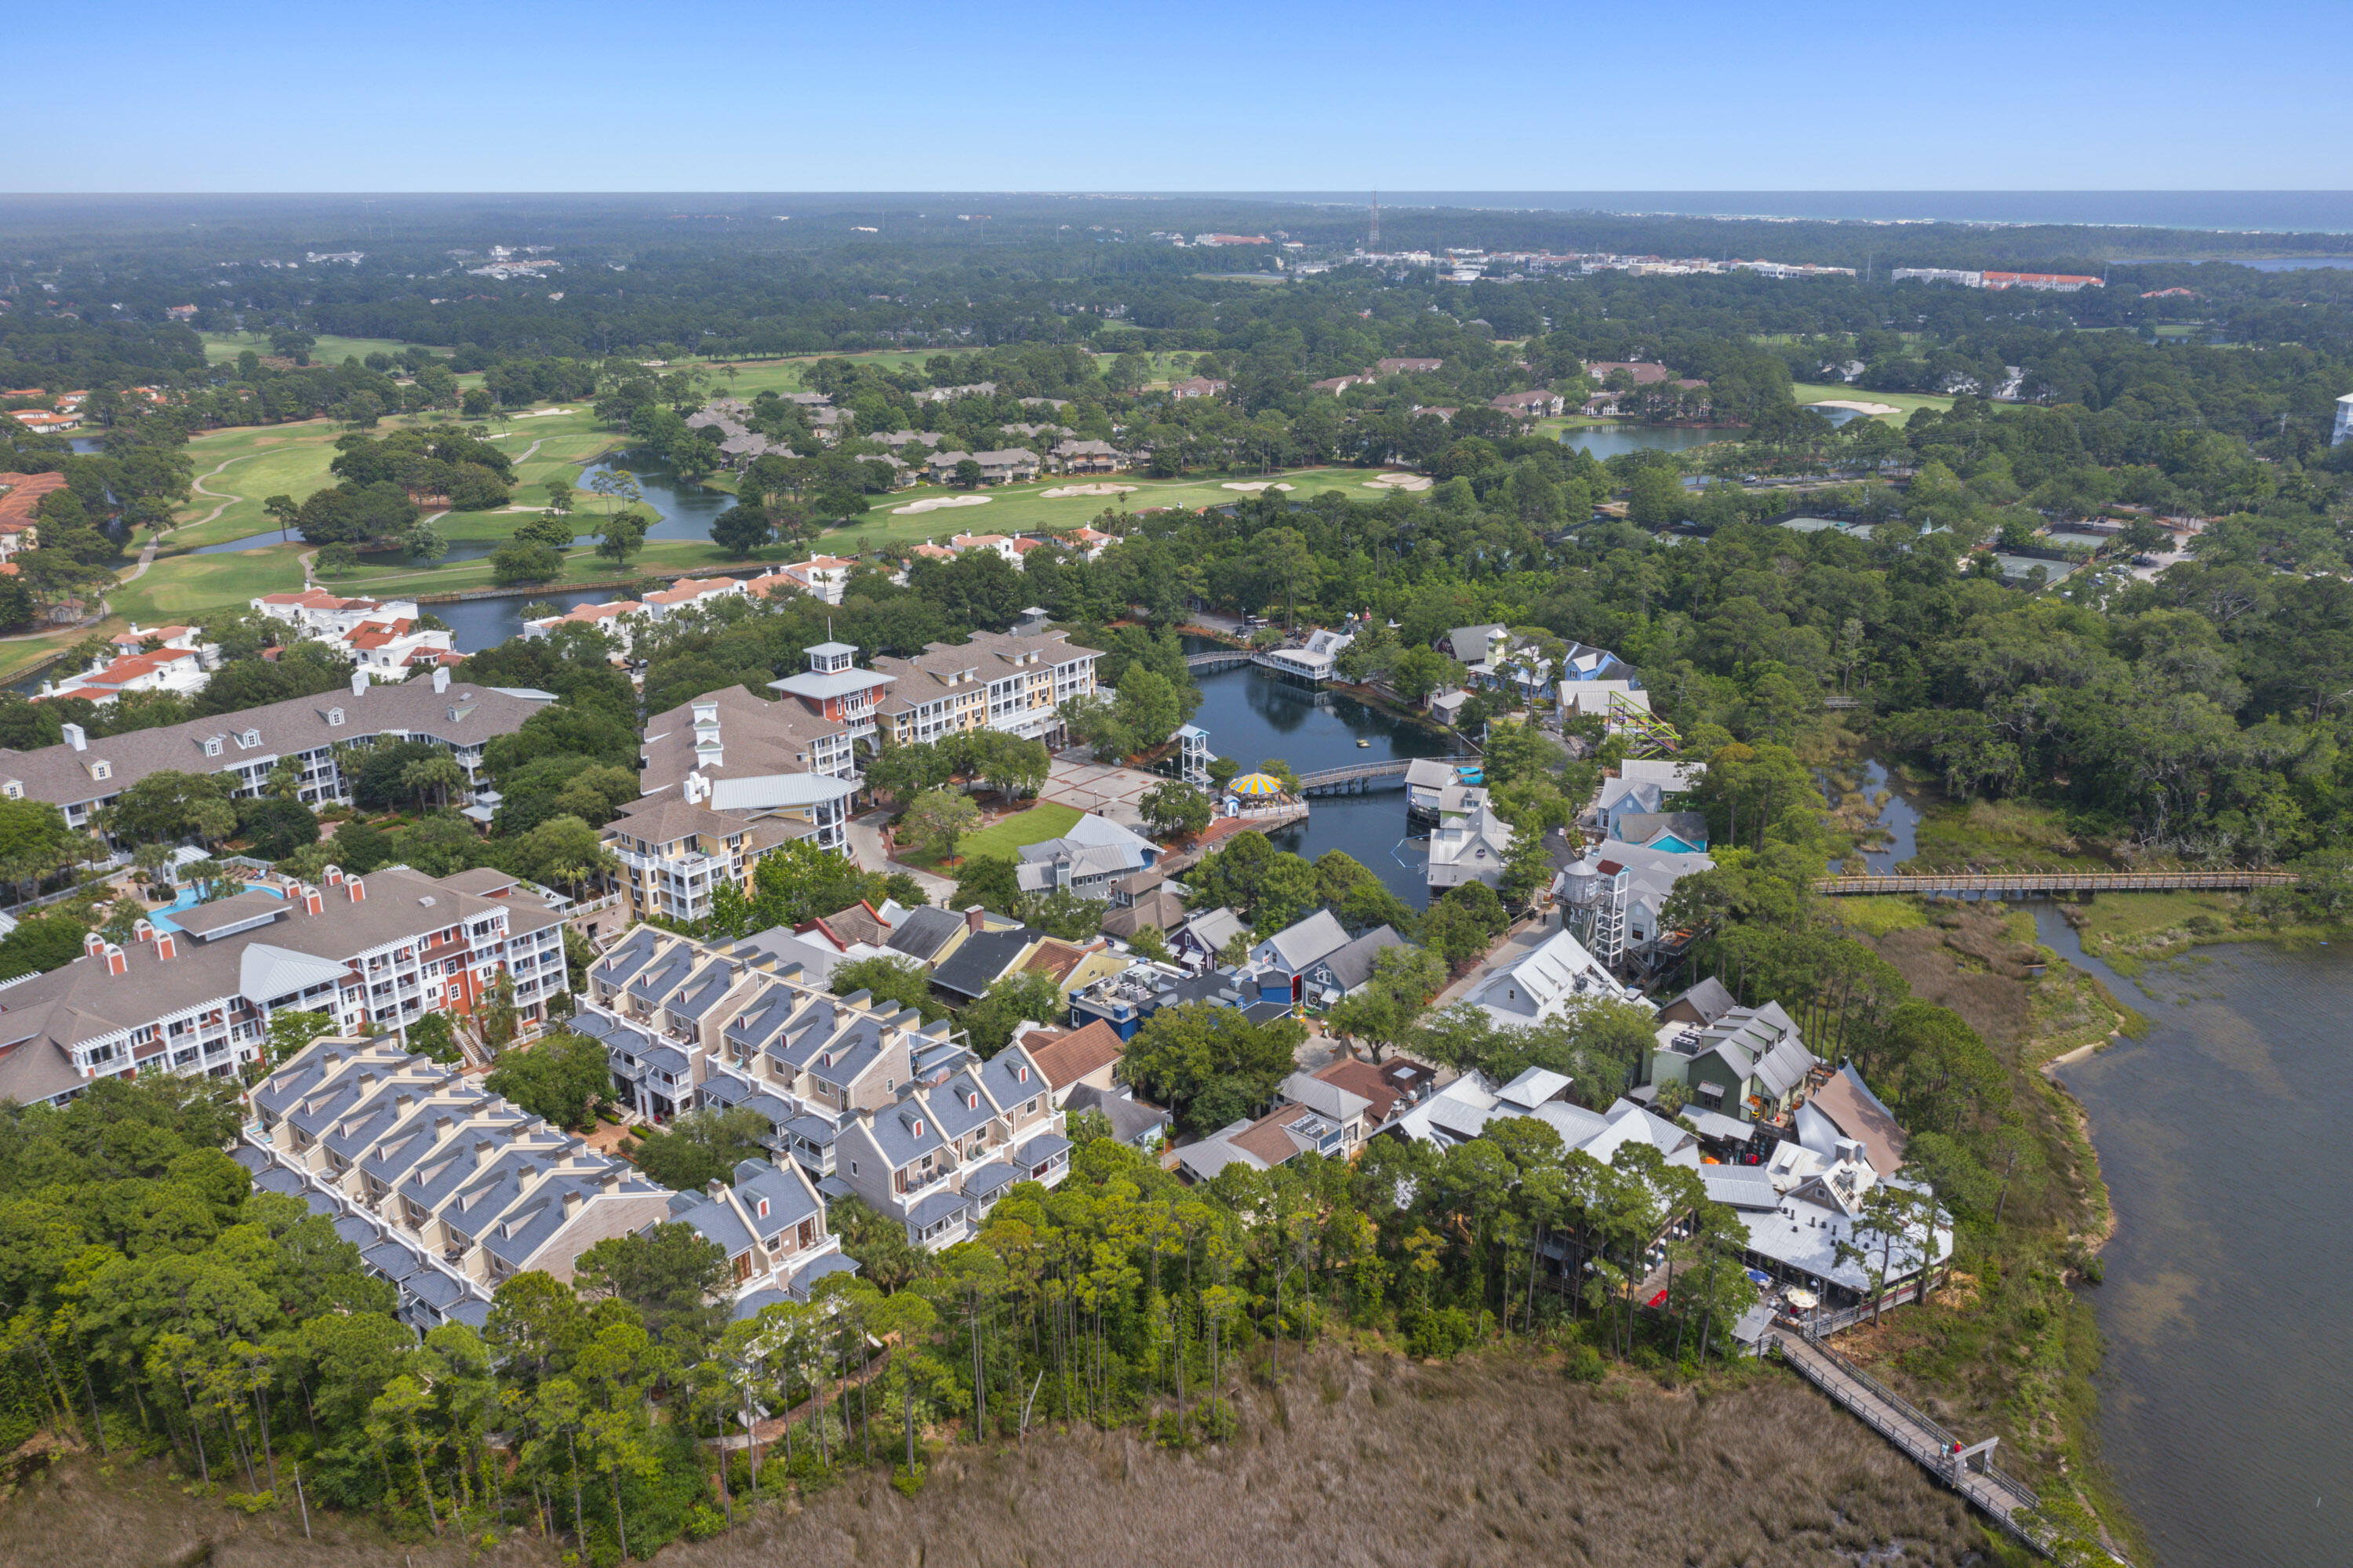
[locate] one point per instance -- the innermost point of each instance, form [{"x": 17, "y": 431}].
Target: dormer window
[
  {"x": 101, "y": 770},
  {"x": 1022, "y": 1074},
  {"x": 919, "y": 1126},
  {"x": 13, "y": 789},
  {"x": 334, "y": 716},
  {"x": 764, "y": 1208},
  {"x": 213, "y": 746},
  {"x": 251, "y": 739},
  {"x": 972, "y": 1100}
]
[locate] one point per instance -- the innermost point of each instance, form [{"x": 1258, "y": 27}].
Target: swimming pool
[{"x": 187, "y": 900}]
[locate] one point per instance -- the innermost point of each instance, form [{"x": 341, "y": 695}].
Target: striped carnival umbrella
[{"x": 1255, "y": 784}]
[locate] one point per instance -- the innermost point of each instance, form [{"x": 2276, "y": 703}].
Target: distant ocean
[{"x": 2270, "y": 212}]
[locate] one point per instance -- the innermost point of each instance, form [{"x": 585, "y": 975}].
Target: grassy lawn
[
  {"x": 193, "y": 584},
  {"x": 1015, "y": 508},
  {"x": 18, "y": 656},
  {"x": 220, "y": 346},
  {"x": 1005, "y": 841},
  {"x": 1877, "y": 916},
  {"x": 1903, "y": 402}
]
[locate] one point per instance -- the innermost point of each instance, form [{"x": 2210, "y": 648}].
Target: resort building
[
  {"x": 81, "y": 774},
  {"x": 994, "y": 681},
  {"x": 194, "y": 989}
]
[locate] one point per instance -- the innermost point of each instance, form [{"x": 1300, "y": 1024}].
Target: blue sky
[{"x": 1214, "y": 95}]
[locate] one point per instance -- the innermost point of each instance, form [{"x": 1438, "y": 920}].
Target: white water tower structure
[
  {"x": 1193, "y": 756},
  {"x": 2344, "y": 430},
  {"x": 1595, "y": 906}
]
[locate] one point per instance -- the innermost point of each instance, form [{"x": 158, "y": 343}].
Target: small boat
[{"x": 1363, "y": 744}]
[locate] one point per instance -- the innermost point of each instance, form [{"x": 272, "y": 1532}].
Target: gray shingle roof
[{"x": 465, "y": 714}]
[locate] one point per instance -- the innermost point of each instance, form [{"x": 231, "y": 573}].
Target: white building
[
  {"x": 1547, "y": 982},
  {"x": 617, "y": 620},
  {"x": 315, "y": 612},
  {"x": 1470, "y": 840},
  {"x": 2344, "y": 430}
]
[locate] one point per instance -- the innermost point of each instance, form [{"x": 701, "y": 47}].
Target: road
[
  {"x": 866, "y": 848},
  {"x": 1522, "y": 941}
]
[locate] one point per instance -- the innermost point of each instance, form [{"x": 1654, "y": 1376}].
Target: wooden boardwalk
[
  {"x": 1361, "y": 774},
  {"x": 1937, "y": 1451},
  {"x": 2025, "y": 884}
]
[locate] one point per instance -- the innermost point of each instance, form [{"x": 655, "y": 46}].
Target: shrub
[{"x": 1442, "y": 1332}]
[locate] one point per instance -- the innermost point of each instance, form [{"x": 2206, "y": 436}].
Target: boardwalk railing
[
  {"x": 1220, "y": 659},
  {"x": 2023, "y": 882},
  {"x": 1936, "y": 1450},
  {"x": 1364, "y": 775}
]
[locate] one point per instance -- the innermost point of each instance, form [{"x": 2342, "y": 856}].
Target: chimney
[
  {"x": 610, "y": 1180},
  {"x": 971, "y": 919},
  {"x": 358, "y": 889},
  {"x": 116, "y": 964},
  {"x": 571, "y": 1201},
  {"x": 313, "y": 901},
  {"x": 484, "y": 1147},
  {"x": 92, "y": 944},
  {"x": 359, "y": 682},
  {"x": 440, "y": 1127},
  {"x": 166, "y": 949},
  {"x": 441, "y": 677},
  {"x": 76, "y": 737}
]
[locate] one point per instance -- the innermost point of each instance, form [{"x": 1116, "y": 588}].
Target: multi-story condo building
[
  {"x": 194, "y": 990},
  {"x": 81, "y": 774},
  {"x": 447, "y": 1190},
  {"x": 993, "y": 680},
  {"x": 676, "y": 854},
  {"x": 834, "y": 689},
  {"x": 868, "y": 1099}
]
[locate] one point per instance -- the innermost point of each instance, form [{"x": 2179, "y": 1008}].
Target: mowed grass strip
[
  {"x": 1905, "y": 403},
  {"x": 1005, "y": 841}
]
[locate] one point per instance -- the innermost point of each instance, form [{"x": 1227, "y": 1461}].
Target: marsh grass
[{"x": 1356, "y": 1460}]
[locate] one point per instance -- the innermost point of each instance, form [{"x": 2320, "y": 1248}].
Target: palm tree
[{"x": 438, "y": 774}]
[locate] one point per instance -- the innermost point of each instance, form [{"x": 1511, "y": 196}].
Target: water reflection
[
  {"x": 682, "y": 510},
  {"x": 1618, "y": 441},
  {"x": 2226, "y": 1301},
  {"x": 1252, "y": 715}
]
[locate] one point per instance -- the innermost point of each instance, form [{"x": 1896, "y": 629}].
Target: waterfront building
[
  {"x": 992, "y": 681},
  {"x": 1470, "y": 840}
]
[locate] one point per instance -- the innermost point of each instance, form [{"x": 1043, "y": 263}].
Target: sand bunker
[
  {"x": 1399, "y": 481},
  {"x": 1255, "y": 485},
  {"x": 1853, "y": 407},
  {"x": 540, "y": 414},
  {"x": 1060, "y": 490},
  {"x": 938, "y": 503}
]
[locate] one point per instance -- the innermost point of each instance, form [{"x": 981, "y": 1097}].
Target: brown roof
[
  {"x": 24, "y": 492},
  {"x": 1365, "y": 1081},
  {"x": 859, "y": 923},
  {"x": 1859, "y": 1118},
  {"x": 1059, "y": 958},
  {"x": 760, "y": 737},
  {"x": 1082, "y": 1050},
  {"x": 987, "y": 655},
  {"x": 1266, "y": 1138},
  {"x": 1159, "y": 907},
  {"x": 666, "y": 819}
]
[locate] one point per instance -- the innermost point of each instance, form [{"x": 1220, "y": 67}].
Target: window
[
  {"x": 101, "y": 770},
  {"x": 213, "y": 746},
  {"x": 334, "y": 716}
]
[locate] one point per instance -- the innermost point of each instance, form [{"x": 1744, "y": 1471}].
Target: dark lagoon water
[
  {"x": 1617, "y": 440},
  {"x": 681, "y": 510},
  {"x": 2229, "y": 1297},
  {"x": 1252, "y": 715}
]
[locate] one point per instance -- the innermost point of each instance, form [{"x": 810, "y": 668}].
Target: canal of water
[
  {"x": 1252, "y": 715},
  {"x": 2228, "y": 1299}
]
